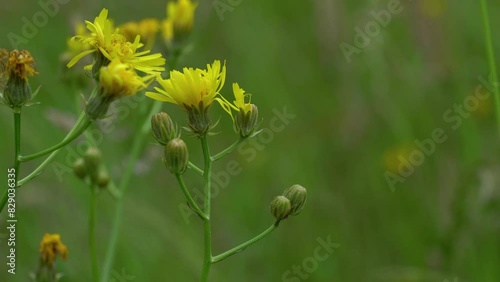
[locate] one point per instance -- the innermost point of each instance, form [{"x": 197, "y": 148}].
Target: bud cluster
[
  {"x": 290, "y": 203},
  {"x": 89, "y": 167}
]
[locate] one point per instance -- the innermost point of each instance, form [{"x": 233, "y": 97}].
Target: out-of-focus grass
[{"x": 440, "y": 223}]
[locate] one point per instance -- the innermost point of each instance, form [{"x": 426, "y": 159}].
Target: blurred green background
[{"x": 353, "y": 122}]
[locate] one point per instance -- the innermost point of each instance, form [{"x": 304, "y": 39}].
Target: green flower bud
[
  {"x": 176, "y": 157},
  {"x": 79, "y": 168},
  {"x": 92, "y": 160},
  {"x": 246, "y": 122},
  {"x": 163, "y": 128},
  {"x": 198, "y": 119},
  {"x": 297, "y": 196},
  {"x": 102, "y": 179},
  {"x": 97, "y": 106},
  {"x": 280, "y": 207}
]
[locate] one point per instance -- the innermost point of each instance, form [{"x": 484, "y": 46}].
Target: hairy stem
[
  {"x": 228, "y": 150},
  {"x": 190, "y": 199},
  {"x": 17, "y": 153},
  {"x": 243, "y": 246},
  {"x": 40, "y": 168},
  {"x": 92, "y": 243},
  {"x": 207, "y": 258}
]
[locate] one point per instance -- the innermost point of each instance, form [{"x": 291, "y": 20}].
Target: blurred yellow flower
[
  {"x": 192, "y": 87},
  {"x": 109, "y": 44},
  {"x": 18, "y": 64},
  {"x": 146, "y": 29},
  {"x": 51, "y": 247},
  {"x": 181, "y": 13},
  {"x": 118, "y": 80},
  {"x": 393, "y": 157},
  {"x": 167, "y": 30},
  {"x": 433, "y": 8}
]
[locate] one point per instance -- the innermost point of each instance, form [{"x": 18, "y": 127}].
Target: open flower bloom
[
  {"x": 191, "y": 87},
  {"x": 118, "y": 80},
  {"x": 51, "y": 247},
  {"x": 107, "y": 42}
]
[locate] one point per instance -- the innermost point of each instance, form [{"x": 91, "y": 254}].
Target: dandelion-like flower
[
  {"x": 16, "y": 63},
  {"x": 116, "y": 80},
  {"x": 15, "y": 68},
  {"x": 246, "y": 120},
  {"x": 108, "y": 44},
  {"x": 193, "y": 89},
  {"x": 51, "y": 247}
]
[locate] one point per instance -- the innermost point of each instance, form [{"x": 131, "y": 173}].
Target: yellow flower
[
  {"x": 15, "y": 68},
  {"x": 433, "y": 8},
  {"x": 192, "y": 87},
  {"x": 182, "y": 16},
  {"x": 16, "y": 63},
  {"x": 118, "y": 80},
  {"x": 394, "y": 157},
  {"x": 51, "y": 247},
  {"x": 109, "y": 44},
  {"x": 146, "y": 28},
  {"x": 167, "y": 30},
  {"x": 239, "y": 96}
]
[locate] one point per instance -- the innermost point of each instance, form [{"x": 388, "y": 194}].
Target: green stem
[
  {"x": 40, "y": 168},
  {"x": 17, "y": 153},
  {"x": 195, "y": 168},
  {"x": 207, "y": 260},
  {"x": 122, "y": 187},
  {"x": 92, "y": 244},
  {"x": 190, "y": 199},
  {"x": 244, "y": 245},
  {"x": 491, "y": 59},
  {"x": 72, "y": 135},
  {"x": 228, "y": 150}
]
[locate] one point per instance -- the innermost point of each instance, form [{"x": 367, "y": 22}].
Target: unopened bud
[
  {"x": 92, "y": 160},
  {"x": 102, "y": 179},
  {"x": 297, "y": 196},
  {"x": 176, "y": 157},
  {"x": 280, "y": 207},
  {"x": 79, "y": 168},
  {"x": 246, "y": 122},
  {"x": 163, "y": 128}
]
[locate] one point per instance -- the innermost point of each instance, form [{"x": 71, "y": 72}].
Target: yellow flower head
[
  {"x": 16, "y": 63},
  {"x": 51, "y": 247},
  {"x": 239, "y": 96},
  {"x": 167, "y": 30},
  {"x": 192, "y": 87},
  {"x": 182, "y": 16},
  {"x": 106, "y": 40},
  {"x": 146, "y": 29},
  {"x": 118, "y": 80}
]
